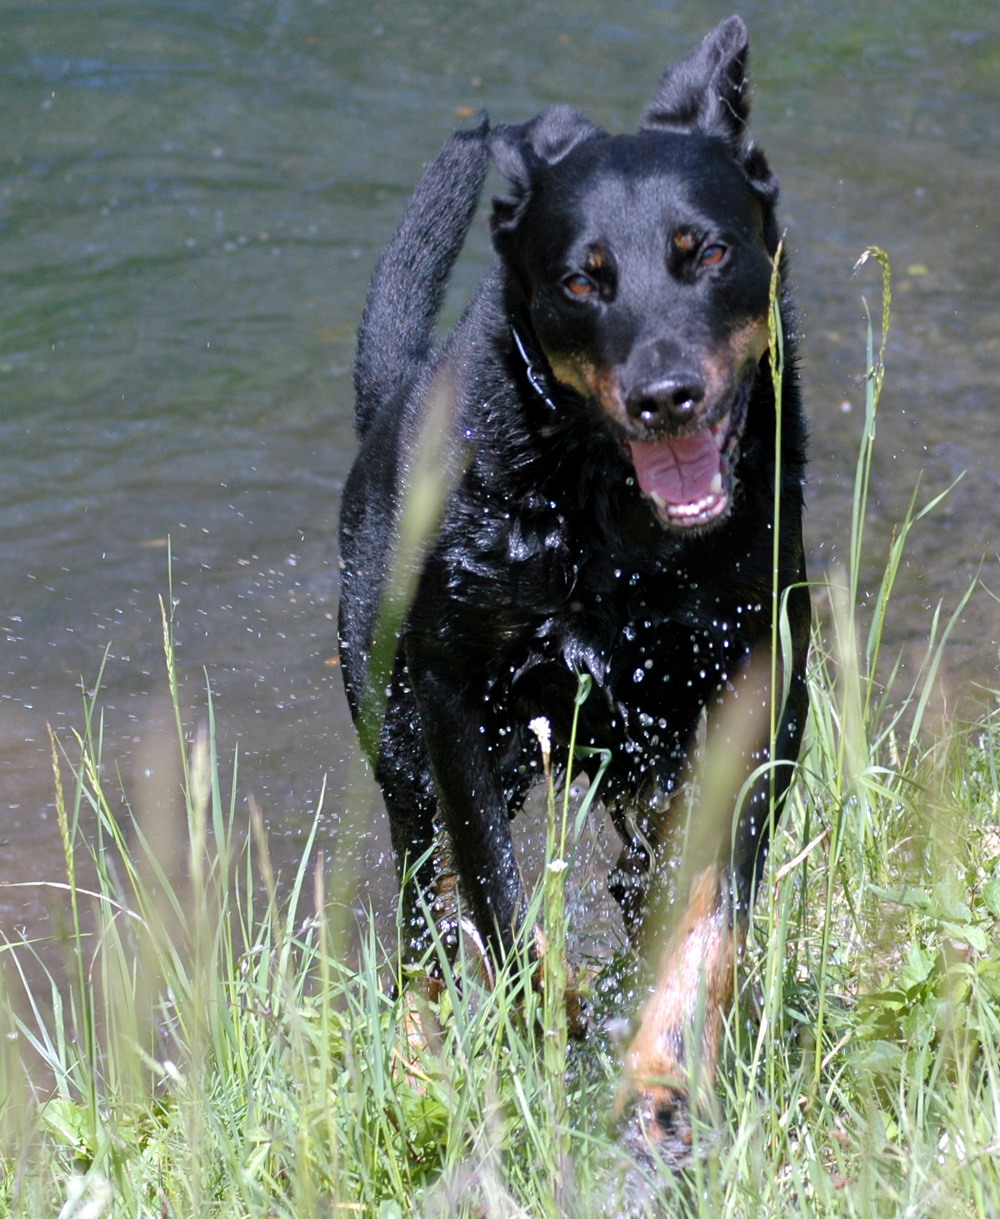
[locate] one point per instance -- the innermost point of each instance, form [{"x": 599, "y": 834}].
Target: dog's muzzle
[{"x": 689, "y": 479}]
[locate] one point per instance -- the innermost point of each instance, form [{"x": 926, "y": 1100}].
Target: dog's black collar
[{"x": 536, "y": 378}]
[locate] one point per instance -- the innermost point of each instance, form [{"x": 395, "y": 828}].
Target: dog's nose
[{"x": 672, "y": 399}]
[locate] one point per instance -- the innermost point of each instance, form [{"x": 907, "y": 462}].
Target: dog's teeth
[
  {"x": 715, "y": 486},
  {"x": 658, "y": 500}
]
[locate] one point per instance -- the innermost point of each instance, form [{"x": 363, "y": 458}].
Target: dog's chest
[
  {"x": 652, "y": 651},
  {"x": 642, "y": 625},
  {"x": 646, "y": 627},
  {"x": 635, "y": 609}
]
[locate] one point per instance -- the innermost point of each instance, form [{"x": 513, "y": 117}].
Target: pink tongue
[{"x": 679, "y": 471}]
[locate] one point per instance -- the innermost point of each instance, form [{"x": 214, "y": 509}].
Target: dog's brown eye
[
  {"x": 712, "y": 255},
  {"x": 579, "y": 285}
]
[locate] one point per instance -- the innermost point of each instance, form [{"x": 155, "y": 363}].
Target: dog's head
[{"x": 643, "y": 263}]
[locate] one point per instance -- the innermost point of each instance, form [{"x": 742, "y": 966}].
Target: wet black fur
[{"x": 547, "y": 560}]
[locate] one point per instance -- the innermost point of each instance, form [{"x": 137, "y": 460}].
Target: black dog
[{"x": 594, "y": 448}]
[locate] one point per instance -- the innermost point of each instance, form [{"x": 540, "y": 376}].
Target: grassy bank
[{"x": 206, "y": 1045}]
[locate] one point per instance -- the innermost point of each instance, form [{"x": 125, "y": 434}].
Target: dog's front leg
[
  {"x": 698, "y": 924},
  {"x": 676, "y": 1046},
  {"x": 471, "y": 797}
]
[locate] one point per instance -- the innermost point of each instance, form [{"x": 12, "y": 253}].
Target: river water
[{"x": 192, "y": 196}]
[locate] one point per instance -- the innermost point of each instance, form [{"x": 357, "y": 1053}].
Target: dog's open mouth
[{"x": 689, "y": 479}]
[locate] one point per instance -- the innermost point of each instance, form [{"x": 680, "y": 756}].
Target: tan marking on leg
[
  {"x": 576, "y": 1007},
  {"x": 424, "y": 981},
  {"x": 684, "y": 1016},
  {"x": 422, "y": 1031}
]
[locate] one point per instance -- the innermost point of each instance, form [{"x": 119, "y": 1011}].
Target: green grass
[{"x": 202, "y": 1044}]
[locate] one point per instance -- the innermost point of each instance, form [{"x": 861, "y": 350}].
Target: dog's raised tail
[{"x": 408, "y": 286}]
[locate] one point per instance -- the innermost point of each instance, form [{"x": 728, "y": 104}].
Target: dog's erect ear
[
  {"x": 519, "y": 151},
  {"x": 708, "y": 91}
]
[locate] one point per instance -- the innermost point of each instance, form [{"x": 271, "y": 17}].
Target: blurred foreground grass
[{"x": 208, "y": 1045}]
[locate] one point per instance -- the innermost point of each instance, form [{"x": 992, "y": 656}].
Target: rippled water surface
[{"x": 192, "y": 196}]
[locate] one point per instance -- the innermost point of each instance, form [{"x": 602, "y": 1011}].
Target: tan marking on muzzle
[
  {"x": 724, "y": 369},
  {"x": 598, "y": 384},
  {"x": 728, "y": 363}
]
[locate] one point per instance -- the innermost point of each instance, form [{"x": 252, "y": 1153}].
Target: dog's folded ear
[
  {"x": 520, "y": 150},
  {"x": 544, "y": 140},
  {"x": 708, "y": 93}
]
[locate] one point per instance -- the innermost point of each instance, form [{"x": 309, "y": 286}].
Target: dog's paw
[
  {"x": 653, "y": 1130},
  {"x": 655, "y": 1127}
]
